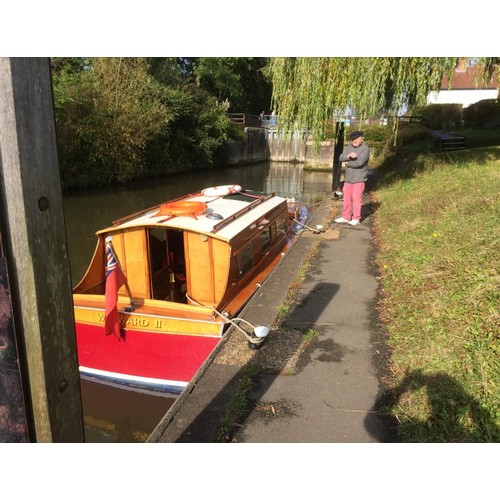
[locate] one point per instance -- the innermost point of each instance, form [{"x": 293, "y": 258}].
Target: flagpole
[{"x": 131, "y": 306}]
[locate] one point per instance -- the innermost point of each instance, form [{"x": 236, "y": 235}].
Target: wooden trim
[{"x": 162, "y": 324}]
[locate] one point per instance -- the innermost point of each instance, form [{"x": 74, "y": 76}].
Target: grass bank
[{"x": 438, "y": 231}]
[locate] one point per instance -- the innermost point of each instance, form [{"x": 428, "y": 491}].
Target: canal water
[{"x": 113, "y": 414}]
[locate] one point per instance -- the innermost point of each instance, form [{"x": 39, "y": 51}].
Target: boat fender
[
  {"x": 221, "y": 190},
  {"x": 301, "y": 216}
]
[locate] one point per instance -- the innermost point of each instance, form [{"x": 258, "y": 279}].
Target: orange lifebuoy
[
  {"x": 221, "y": 190},
  {"x": 179, "y": 208}
]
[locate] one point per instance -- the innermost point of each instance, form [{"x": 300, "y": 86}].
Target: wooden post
[
  {"x": 34, "y": 240},
  {"x": 337, "y": 151}
]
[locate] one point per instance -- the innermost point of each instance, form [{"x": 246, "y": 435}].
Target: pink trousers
[{"x": 353, "y": 194}]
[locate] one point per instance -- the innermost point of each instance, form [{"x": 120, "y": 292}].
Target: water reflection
[{"x": 114, "y": 414}]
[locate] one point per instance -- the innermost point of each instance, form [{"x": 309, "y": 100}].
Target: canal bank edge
[{"x": 197, "y": 413}]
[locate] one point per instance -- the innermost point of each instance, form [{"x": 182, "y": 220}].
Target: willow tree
[{"x": 308, "y": 92}]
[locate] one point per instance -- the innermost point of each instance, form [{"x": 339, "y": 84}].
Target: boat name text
[{"x": 133, "y": 321}]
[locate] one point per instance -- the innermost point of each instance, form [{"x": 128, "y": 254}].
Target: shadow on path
[{"x": 309, "y": 308}]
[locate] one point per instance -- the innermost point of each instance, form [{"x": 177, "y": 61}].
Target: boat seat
[
  {"x": 161, "y": 285},
  {"x": 164, "y": 289}
]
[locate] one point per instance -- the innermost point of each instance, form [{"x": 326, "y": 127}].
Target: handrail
[
  {"x": 249, "y": 207},
  {"x": 245, "y": 119}
]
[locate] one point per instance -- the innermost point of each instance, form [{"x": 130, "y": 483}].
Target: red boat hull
[{"x": 142, "y": 358}]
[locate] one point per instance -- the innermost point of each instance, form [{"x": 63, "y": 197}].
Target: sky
[{"x": 257, "y": 28}]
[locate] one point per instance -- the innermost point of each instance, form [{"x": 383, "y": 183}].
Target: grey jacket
[{"x": 355, "y": 170}]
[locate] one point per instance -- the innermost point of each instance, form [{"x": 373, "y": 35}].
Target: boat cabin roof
[{"x": 224, "y": 218}]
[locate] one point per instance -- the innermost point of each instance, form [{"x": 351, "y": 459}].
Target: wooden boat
[{"x": 188, "y": 266}]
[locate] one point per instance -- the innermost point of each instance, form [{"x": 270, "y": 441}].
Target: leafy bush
[
  {"x": 105, "y": 115},
  {"x": 411, "y": 133},
  {"x": 377, "y": 133},
  {"x": 194, "y": 137},
  {"x": 483, "y": 114},
  {"x": 440, "y": 116},
  {"x": 236, "y": 132}
]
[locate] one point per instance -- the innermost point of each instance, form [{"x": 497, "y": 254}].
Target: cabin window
[
  {"x": 282, "y": 226},
  {"x": 265, "y": 239},
  {"x": 273, "y": 231},
  {"x": 244, "y": 259}
]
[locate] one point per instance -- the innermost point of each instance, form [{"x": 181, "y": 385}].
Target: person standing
[
  {"x": 356, "y": 156},
  {"x": 272, "y": 121}
]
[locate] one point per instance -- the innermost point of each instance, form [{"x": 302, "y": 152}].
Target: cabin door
[{"x": 167, "y": 264}]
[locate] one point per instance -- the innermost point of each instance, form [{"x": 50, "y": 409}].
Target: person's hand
[{"x": 352, "y": 156}]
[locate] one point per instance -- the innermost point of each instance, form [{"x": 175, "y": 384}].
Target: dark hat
[{"x": 355, "y": 135}]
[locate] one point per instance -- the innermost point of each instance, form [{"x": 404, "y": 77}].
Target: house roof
[{"x": 464, "y": 79}]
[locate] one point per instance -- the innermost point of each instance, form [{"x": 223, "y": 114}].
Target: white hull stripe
[{"x": 147, "y": 381}]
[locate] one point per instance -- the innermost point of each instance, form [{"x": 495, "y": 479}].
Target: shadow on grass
[{"x": 454, "y": 416}]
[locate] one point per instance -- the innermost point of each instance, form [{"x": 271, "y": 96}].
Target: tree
[
  {"x": 240, "y": 81},
  {"x": 129, "y": 112},
  {"x": 199, "y": 124},
  {"x": 107, "y": 110},
  {"x": 309, "y": 92},
  {"x": 193, "y": 138}
]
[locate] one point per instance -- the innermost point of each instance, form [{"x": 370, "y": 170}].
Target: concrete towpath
[{"x": 326, "y": 392}]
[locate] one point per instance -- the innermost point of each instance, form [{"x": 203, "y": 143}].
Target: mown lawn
[{"x": 438, "y": 230}]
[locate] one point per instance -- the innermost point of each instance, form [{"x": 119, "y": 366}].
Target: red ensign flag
[{"x": 114, "y": 280}]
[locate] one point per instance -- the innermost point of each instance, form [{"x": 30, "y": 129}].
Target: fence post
[
  {"x": 34, "y": 241},
  {"x": 337, "y": 151}
]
